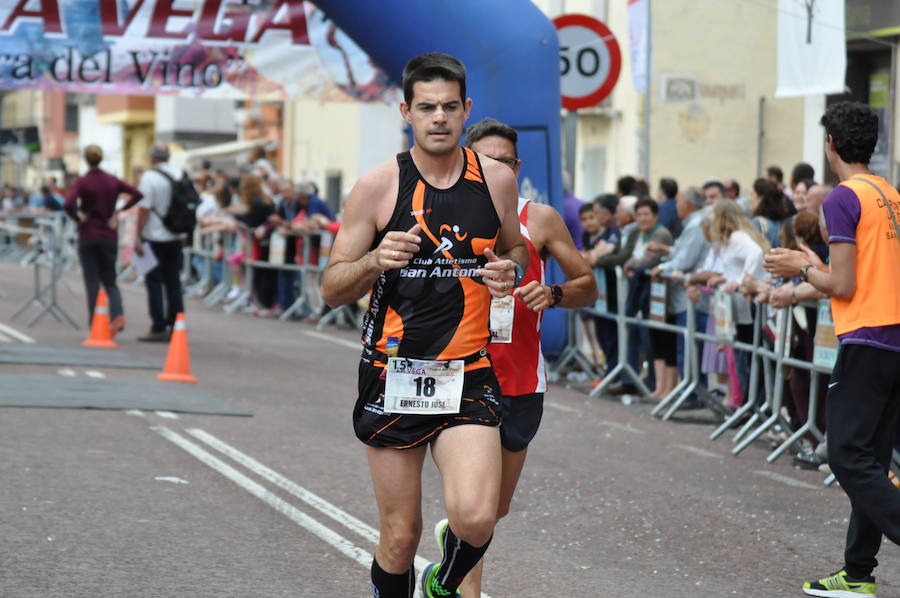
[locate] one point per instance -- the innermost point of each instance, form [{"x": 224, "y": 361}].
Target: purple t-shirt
[
  {"x": 842, "y": 213},
  {"x": 571, "y": 205}
]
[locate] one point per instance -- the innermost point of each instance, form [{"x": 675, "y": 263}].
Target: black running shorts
[
  {"x": 521, "y": 417},
  {"x": 375, "y": 428}
]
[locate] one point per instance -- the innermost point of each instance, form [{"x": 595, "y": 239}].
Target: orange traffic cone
[
  {"x": 101, "y": 335},
  {"x": 178, "y": 361}
]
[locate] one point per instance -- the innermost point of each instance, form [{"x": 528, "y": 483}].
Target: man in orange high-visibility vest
[{"x": 863, "y": 402}]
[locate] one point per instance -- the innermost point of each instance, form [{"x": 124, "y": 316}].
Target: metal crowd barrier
[
  {"x": 690, "y": 383},
  {"x": 43, "y": 241},
  {"x": 205, "y": 247},
  {"x": 754, "y": 417},
  {"x": 572, "y": 351}
]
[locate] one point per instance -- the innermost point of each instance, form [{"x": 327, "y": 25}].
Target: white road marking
[
  {"x": 559, "y": 407},
  {"x": 623, "y": 427},
  {"x": 784, "y": 479},
  {"x": 5, "y": 339},
  {"x": 349, "y": 549},
  {"x": 315, "y": 501},
  {"x": 94, "y": 374},
  {"x": 136, "y": 413},
  {"x": 339, "y": 515},
  {"x": 331, "y": 339},
  {"x": 66, "y": 372},
  {"x": 10, "y": 331},
  {"x": 166, "y": 414},
  {"x": 699, "y": 451},
  {"x": 169, "y": 478}
]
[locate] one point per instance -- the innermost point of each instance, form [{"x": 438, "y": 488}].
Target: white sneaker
[{"x": 234, "y": 292}]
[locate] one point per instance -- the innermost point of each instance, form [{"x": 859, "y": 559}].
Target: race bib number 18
[{"x": 422, "y": 387}]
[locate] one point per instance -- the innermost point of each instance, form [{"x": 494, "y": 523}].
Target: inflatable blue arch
[{"x": 511, "y": 54}]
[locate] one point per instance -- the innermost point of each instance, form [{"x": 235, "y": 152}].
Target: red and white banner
[{"x": 202, "y": 48}]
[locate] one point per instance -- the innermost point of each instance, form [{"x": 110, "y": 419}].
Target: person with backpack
[{"x": 165, "y": 214}]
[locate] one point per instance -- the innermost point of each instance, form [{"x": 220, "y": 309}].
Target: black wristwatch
[
  {"x": 803, "y": 270},
  {"x": 520, "y": 274},
  {"x": 557, "y": 293}
]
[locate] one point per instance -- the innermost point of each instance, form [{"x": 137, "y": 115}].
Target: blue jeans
[
  {"x": 608, "y": 338},
  {"x": 199, "y": 263},
  {"x": 638, "y": 340},
  {"x": 287, "y": 289},
  {"x": 681, "y": 320}
]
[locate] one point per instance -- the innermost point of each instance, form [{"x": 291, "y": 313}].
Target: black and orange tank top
[{"x": 436, "y": 306}]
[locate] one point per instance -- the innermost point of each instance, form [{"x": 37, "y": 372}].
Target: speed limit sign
[{"x": 589, "y": 60}]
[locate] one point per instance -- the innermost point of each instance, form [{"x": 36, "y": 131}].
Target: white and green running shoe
[
  {"x": 841, "y": 585},
  {"x": 440, "y": 529},
  {"x": 429, "y": 585}
]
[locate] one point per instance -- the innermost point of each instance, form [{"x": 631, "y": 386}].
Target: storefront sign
[{"x": 874, "y": 17}]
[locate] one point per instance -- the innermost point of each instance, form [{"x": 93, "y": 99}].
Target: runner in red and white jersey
[{"x": 518, "y": 362}]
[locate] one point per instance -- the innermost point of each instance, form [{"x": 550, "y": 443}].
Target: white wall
[
  {"x": 347, "y": 137},
  {"x": 814, "y": 134},
  {"x": 194, "y": 115},
  {"x": 380, "y": 137},
  {"x": 110, "y": 138}
]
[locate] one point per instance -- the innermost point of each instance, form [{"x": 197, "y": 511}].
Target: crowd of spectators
[
  {"x": 257, "y": 215},
  {"x": 48, "y": 197},
  {"x": 697, "y": 239},
  {"x": 241, "y": 211}
]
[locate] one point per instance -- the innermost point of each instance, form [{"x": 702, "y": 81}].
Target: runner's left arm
[{"x": 580, "y": 289}]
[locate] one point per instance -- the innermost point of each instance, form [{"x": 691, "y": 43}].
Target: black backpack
[{"x": 181, "y": 216}]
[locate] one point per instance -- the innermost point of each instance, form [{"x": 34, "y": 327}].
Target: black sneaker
[
  {"x": 841, "y": 585},
  {"x": 621, "y": 389},
  {"x": 808, "y": 459},
  {"x": 154, "y": 337}
]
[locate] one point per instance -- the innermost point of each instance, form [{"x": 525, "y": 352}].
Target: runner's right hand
[{"x": 397, "y": 248}]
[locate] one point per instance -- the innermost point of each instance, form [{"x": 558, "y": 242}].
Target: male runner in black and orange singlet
[{"x": 434, "y": 234}]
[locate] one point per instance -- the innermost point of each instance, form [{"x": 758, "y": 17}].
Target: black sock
[
  {"x": 459, "y": 558},
  {"x": 392, "y": 585},
  {"x": 853, "y": 573}
]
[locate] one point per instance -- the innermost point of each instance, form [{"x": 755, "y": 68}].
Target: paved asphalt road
[{"x": 612, "y": 502}]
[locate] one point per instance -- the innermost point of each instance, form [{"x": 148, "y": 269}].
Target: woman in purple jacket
[{"x": 97, "y": 220}]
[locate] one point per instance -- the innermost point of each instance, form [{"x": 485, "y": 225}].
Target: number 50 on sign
[{"x": 589, "y": 60}]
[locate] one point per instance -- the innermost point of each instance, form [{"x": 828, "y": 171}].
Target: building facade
[{"x": 712, "y": 107}]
